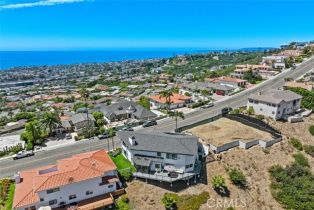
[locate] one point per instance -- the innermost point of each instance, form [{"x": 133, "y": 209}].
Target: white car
[
  {"x": 207, "y": 105},
  {"x": 23, "y": 154}
]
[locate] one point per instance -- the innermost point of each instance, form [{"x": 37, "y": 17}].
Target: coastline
[{"x": 16, "y": 59}]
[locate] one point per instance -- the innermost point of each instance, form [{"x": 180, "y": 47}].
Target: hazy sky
[{"x": 96, "y": 24}]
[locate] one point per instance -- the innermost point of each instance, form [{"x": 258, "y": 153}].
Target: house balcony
[{"x": 167, "y": 176}]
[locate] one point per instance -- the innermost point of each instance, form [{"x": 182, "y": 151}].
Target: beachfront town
[{"x": 157, "y": 133}]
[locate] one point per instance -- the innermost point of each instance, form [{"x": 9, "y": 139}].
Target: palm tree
[
  {"x": 50, "y": 120},
  {"x": 85, "y": 95},
  {"x": 176, "y": 115},
  {"x": 111, "y": 133},
  {"x": 167, "y": 94}
]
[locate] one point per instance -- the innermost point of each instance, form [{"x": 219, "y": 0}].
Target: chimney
[
  {"x": 132, "y": 140},
  {"x": 17, "y": 178}
]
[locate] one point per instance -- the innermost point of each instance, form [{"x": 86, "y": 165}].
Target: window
[
  {"x": 52, "y": 190},
  {"x": 110, "y": 186},
  {"x": 273, "y": 112},
  {"x": 89, "y": 192},
  {"x": 174, "y": 156},
  {"x": 261, "y": 109},
  {"x": 189, "y": 166},
  {"x": 53, "y": 202},
  {"x": 159, "y": 154},
  {"x": 171, "y": 156},
  {"x": 41, "y": 199},
  {"x": 71, "y": 197}
]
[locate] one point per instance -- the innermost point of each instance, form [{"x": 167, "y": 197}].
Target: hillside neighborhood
[{"x": 145, "y": 134}]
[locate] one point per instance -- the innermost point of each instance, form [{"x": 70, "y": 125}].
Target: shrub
[
  {"x": 250, "y": 110},
  {"x": 311, "y": 130},
  {"x": 296, "y": 143},
  {"x": 123, "y": 203},
  {"x": 309, "y": 149},
  {"x": 260, "y": 117},
  {"x": 170, "y": 200},
  {"x": 237, "y": 177},
  {"x": 301, "y": 160},
  {"x": 235, "y": 111},
  {"x": 126, "y": 174},
  {"x": 218, "y": 183}
]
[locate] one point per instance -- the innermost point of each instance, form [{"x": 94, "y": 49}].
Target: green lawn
[{"x": 122, "y": 163}]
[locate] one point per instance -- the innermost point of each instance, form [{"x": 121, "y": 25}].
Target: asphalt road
[{"x": 9, "y": 166}]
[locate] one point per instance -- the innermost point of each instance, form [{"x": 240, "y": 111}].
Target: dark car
[
  {"x": 149, "y": 123},
  {"x": 226, "y": 110}
]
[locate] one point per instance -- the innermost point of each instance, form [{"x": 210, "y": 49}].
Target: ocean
[{"x": 9, "y": 59}]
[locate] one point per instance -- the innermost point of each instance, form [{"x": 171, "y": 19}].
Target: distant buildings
[
  {"x": 292, "y": 53},
  {"x": 85, "y": 180},
  {"x": 229, "y": 81},
  {"x": 276, "y": 104}
]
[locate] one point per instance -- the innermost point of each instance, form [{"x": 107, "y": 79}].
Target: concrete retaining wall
[{"x": 244, "y": 145}]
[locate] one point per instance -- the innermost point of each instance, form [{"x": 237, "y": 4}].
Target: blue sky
[{"x": 98, "y": 24}]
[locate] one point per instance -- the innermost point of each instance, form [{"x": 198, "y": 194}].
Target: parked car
[
  {"x": 68, "y": 136},
  {"x": 103, "y": 136},
  {"x": 127, "y": 129},
  {"x": 207, "y": 105},
  {"x": 23, "y": 154},
  {"x": 226, "y": 110},
  {"x": 149, "y": 123}
]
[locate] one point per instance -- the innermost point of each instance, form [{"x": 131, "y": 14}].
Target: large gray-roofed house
[
  {"x": 124, "y": 109},
  {"x": 277, "y": 104},
  {"x": 80, "y": 121},
  {"x": 156, "y": 152},
  {"x": 276, "y": 96},
  {"x": 160, "y": 142}
]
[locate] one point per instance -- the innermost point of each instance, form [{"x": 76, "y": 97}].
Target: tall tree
[
  {"x": 85, "y": 95},
  {"x": 50, "y": 120},
  {"x": 176, "y": 115},
  {"x": 167, "y": 94},
  {"x": 32, "y": 134}
]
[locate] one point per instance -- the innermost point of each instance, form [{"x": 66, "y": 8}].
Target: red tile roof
[
  {"x": 67, "y": 171},
  {"x": 175, "y": 99}
]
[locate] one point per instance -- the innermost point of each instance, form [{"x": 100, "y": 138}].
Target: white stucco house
[
  {"x": 79, "y": 180},
  {"x": 153, "y": 153},
  {"x": 176, "y": 101},
  {"x": 276, "y": 104}
]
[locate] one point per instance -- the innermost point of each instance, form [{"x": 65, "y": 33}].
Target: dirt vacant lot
[
  {"x": 224, "y": 130},
  {"x": 254, "y": 163}
]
